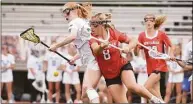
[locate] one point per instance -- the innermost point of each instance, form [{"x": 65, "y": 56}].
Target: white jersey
[
  {"x": 54, "y": 61},
  {"x": 175, "y": 78},
  {"x": 6, "y": 61},
  {"x": 82, "y": 30},
  {"x": 71, "y": 78},
  {"x": 35, "y": 64}
]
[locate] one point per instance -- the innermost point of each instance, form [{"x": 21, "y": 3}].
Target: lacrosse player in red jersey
[
  {"x": 115, "y": 69},
  {"x": 156, "y": 40}
]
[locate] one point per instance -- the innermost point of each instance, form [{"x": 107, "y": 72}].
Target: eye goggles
[
  {"x": 96, "y": 23},
  {"x": 152, "y": 19}
]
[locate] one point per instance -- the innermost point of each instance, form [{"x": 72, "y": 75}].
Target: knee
[
  {"x": 58, "y": 90},
  {"x": 50, "y": 90},
  {"x": 134, "y": 87}
]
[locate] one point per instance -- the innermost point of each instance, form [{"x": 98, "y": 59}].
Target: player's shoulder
[
  {"x": 77, "y": 22},
  {"x": 11, "y": 56},
  {"x": 161, "y": 32},
  {"x": 142, "y": 33}
]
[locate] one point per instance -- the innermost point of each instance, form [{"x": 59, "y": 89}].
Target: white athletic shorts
[
  {"x": 51, "y": 78},
  {"x": 176, "y": 78},
  {"x": 6, "y": 76},
  {"x": 71, "y": 78}
]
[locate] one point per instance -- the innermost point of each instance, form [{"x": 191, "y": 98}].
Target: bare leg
[
  {"x": 118, "y": 93},
  {"x": 57, "y": 89},
  {"x": 178, "y": 92},
  {"x": 67, "y": 92},
  {"x": 169, "y": 89},
  {"x": 50, "y": 88},
  {"x": 78, "y": 91},
  {"x": 9, "y": 90}
]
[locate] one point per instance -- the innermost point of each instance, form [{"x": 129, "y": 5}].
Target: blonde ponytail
[
  {"x": 159, "y": 20},
  {"x": 85, "y": 10}
]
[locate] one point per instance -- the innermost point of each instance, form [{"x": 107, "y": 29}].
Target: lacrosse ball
[{"x": 56, "y": 74}]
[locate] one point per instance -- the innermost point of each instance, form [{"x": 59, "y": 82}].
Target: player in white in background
[
  {"x": 7, "y": 65},
  {"x": 174, "y": 79},
  {"x": 78, "y": 15},
  {"x": 187, "y": 55},
  {"x": 71, "y": 76},
  {"x": 34, "y": 66},
  {"x": 51, "y": 64}
]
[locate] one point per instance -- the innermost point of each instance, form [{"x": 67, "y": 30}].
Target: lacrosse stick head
[
  {"x": 30, "y": 35},
  {"x": 157, "y": 55}
]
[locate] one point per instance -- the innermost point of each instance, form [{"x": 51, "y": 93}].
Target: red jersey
[
  {"x": 110, "y": 60},
  {"x": 158, "y": 42}
]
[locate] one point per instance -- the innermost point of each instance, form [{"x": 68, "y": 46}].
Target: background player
[
  {"x": 174, "y": 80},
  {"x": 7, "y": 65},
  {"x": 51, "y": 64},
  {"x": 156, "y": 40},
  {"x": 78, "y": 16},
  {"x": 71, "y": 76}
]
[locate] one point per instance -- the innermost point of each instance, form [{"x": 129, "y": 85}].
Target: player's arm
[
  {"x": 45, "y": 65},
  {"x": 124, "y": 38},
  {"x": 97, "y": 49},
  {"x": 67, "y": 40},
  {"x": 184, "y": 66}
]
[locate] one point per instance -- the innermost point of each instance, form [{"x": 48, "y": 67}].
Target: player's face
[
  {"x": 96, "y": 27},
  {"x": 149, "y": 22},
  {"x": 4, "y": 49}
]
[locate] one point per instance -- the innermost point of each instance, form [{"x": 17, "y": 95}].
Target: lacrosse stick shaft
[
  {"x": 183, "y": 60},
  {"x": 109, "y": 44},
  {"x": 56, "y": 52}
]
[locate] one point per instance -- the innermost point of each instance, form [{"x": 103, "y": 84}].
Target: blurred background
[{"x": 46, "y": 18}]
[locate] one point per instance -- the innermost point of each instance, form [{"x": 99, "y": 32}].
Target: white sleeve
[
  {"x": 30, "y": 63},
  {"x": 73, "y": 29}
]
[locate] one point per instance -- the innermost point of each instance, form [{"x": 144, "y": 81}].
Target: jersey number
[
  {"x": 106, "y": 54},
  {"x": 153, "y": 48}
]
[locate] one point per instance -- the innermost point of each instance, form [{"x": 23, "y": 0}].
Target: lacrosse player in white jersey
[
  {"x": 78, "y": 15},
  {"x": 34, "y": 66},
  {"x": 7, "y": 65},
  {"x": 54, "y": 75},
  {"x": 71, "y": 76}
]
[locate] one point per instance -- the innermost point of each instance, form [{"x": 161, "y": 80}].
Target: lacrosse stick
[
  {"x": 30, "y": 35},
  {"x": 157, "y": 55}
]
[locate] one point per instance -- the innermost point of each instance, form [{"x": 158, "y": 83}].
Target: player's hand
[
  {"x": 53, "y": 47},
  {"x": 104, "y": 44},
  {"x": 126, "y": 50},
  {"x": 72, "y": 61}
]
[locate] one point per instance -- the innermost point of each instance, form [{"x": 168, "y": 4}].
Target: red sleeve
[
  {"x": 140, "y": 39},
  {"x": 122, "y": 37},
  {"x": 166, "y": 40}
]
